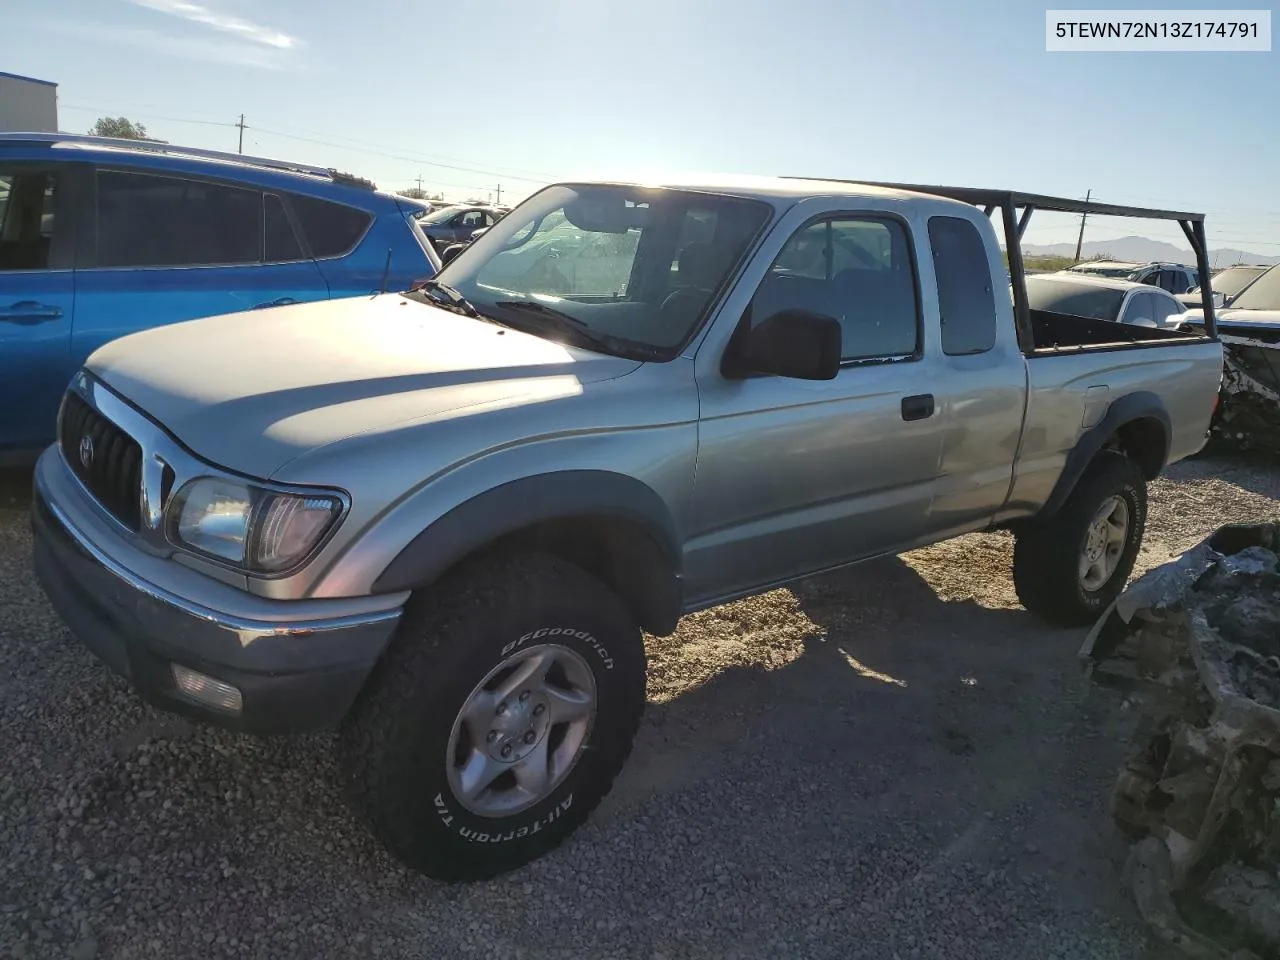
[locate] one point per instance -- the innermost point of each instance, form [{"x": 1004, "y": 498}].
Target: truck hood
[{"x": 251, "y": 391}]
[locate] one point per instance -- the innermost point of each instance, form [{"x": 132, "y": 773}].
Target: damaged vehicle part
[
  {"x": 1196, "y": 645},
  {"x": 1248, "y": 414}
]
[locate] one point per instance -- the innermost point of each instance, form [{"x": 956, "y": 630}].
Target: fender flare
[
  {"x": 1141, "y": 405},
  {"x": 520, "y": 504}
]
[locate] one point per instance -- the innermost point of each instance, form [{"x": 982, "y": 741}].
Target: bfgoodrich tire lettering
[
  {"x": 395, "y": 745},
  {"x": 1047, "y": 558}
]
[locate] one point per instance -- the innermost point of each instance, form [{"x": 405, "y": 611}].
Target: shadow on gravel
[
  {"x": 887, "y": 668},
  {"x": 915, "y": 777}
]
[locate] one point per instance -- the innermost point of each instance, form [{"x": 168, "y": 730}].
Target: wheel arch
[
  {"x": 1137, "y": 425},
  {"x": 613, "y": 526}
]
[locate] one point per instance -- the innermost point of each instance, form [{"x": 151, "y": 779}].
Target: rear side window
[
  {"x": 966, "y": 301},
  {"x": 146, "y": 220},
  {"x": 331, "y": 229},
  {"x": 278, "y": 237},
  {"x": 1141, "y": 308}
]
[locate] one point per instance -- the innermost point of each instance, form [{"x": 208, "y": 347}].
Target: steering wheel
[{"x": 681, "y": 305}]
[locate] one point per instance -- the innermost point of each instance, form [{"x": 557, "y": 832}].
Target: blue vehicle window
[
  {"x": 26, "y": 220},
  {"x": 331, "y": 229},
  {"x": 146, "y": 220},
  {"x": 278, "y": 237}
]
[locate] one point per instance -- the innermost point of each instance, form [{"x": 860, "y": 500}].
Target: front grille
[{"x": 113, "y": 473}]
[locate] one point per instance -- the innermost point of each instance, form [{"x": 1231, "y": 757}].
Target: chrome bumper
[{"x": 298, "y": 664}]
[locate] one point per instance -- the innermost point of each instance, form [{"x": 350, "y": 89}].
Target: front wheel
[
  {"x": 499, "y": 719},
  {"x": 1069, "y": 569}
]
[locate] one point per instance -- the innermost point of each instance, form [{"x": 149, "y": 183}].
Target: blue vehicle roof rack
[{"x": 169, "y": 149}]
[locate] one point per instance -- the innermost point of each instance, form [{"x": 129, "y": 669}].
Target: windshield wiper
[
  {"x": 452, "y": 298},
  {"x": 565, "y": 323}
]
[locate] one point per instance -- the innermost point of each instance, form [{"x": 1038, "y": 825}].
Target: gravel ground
[{"x": 891, "y": 762}]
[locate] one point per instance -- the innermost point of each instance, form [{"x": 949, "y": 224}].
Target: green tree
[{"x": 121, "y": 128}]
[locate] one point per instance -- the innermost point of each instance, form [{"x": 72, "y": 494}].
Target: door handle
[
  {"x": 28, "y": 311},
  {"x": 277, "y": 302},
  {"x": 919, "y": 407}
]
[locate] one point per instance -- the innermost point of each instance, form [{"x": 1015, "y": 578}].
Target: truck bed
[{"x": 1063, "y": 332}]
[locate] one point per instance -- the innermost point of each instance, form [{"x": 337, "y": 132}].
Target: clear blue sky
[{"x": 934, "y": 92}]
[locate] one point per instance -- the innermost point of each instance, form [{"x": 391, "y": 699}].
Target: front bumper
[{"x": 297, "y": 664}]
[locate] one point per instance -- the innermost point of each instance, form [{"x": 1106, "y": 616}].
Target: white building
[{"x": 28, "y": 104}]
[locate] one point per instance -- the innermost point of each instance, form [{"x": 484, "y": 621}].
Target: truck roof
[
  {"x": 794, "y": 188},
  {"x": 772, "y": 189}
]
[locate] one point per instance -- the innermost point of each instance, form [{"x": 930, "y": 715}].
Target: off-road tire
[
  {"x": 1046, "y": 555},
  {"x": 393, "y": 745}
]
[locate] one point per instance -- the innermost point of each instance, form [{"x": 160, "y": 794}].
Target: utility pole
[
  {"x": 1080, "y": 240},
  {"x": 240, "y": 148},
  {"x": 499, "y": 193},
  {"x": 419, "y": 183}
]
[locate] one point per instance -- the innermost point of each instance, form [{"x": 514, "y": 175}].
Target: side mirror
[
  {"x": 791, "y": 343},
  {"x": 450, "y": 252}
]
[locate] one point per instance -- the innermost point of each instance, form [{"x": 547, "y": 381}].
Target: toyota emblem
[{"x": 86, "y": 451}]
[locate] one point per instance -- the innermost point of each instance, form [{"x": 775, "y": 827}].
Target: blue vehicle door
[
  {"x": 37, "y": 300},
  {"x": 171, "y": 247}
]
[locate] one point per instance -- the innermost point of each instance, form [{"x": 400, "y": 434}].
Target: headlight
[{"x": 251, "y": 527}]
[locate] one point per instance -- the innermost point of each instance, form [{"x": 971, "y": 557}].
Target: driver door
[{"x": 796, "y": 476}]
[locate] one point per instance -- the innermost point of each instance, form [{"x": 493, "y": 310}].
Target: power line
[
  {"x": 393, "y": 156},
  {"x": 501, "y": 170},
  {"x": 102, "y": 112},
  {"x": 423, "y": 160}
]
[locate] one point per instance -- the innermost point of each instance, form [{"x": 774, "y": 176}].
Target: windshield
[
  {"x": 1263, "y": 293},
  {"x": 641, "y": 265},
  {"x": 1075, "y": 299},
  {"x": 1234, "y": 279},
  {"x": 439, "y": 216}
]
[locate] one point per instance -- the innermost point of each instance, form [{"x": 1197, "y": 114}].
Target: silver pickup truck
[{"x": 440, "y": 520}]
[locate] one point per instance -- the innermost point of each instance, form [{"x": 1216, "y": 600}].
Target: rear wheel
[
  {"x": 1070, "y": 568},
  {"x": 499, "y": 719}
]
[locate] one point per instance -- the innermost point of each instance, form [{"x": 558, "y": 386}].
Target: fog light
[{"x": 215, "y": 693}]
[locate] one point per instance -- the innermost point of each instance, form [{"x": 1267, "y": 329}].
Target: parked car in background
[
  {"x": 1117, "y": 269},
  {"x": 1102, "y": 298},
  {"x": 456, "y": 224},
  {"x": 1173, "y": 277},
  {"x": 1226, "y": 284},
  {"x": 101, "y": 238}
]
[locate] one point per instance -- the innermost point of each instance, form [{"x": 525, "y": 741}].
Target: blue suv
[{"x": 100, "y": 238}]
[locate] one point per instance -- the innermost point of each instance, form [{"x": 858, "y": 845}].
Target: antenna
[{"x": 386, "y": 271}]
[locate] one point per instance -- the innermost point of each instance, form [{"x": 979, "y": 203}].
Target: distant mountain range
[{"x": 1142, "y": 250}]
